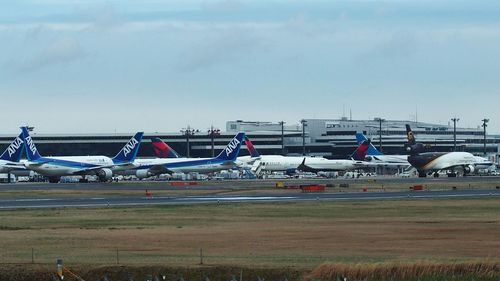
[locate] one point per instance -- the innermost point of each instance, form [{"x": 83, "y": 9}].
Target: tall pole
[
  {"x": 213, "y": 132},
  {"x": 304, "y": 124},
  {"x": 380, "y": 120},
  {"x": 282, "y": 123},
  {"x": 212, "y": 139},
  {"x": 187, "y": 144},
  {"x": 380, "y": 134},
  {"x": 485, "y": 124},
  {"x": 188, "y": 132},
  {"x": 455, "y": 120}
]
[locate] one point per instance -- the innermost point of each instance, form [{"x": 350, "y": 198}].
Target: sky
[{"x": 159, "y": 66}]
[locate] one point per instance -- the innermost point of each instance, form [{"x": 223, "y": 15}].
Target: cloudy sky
[{"x": 121, "y": 66}]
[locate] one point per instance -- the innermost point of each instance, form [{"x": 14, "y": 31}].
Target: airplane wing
[
  {"x": 255, "y": 166},
  {"x": 228, "y": 163},
  {"x": 36, "y": 163},
  {"x": 252, "y": 160},
  {"x": 14, "y": 166},
  {"x": 160, "y": 169},
  {"x": 363, "y": 164},
  {"x": 96, "y": 168},
  {"x": 381, "y": 164}
]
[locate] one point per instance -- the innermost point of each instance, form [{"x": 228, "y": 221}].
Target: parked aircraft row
[
  {"x": 168, "y": 161},
  {"x": 365, "y": 156}
]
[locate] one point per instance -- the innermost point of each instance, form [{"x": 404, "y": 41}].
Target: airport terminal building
[
  {"x": 330, "y": 138},
  {"x": 335, "y": 138}
]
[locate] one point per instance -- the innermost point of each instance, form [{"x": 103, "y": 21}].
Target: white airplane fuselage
[
  {"x": 388, "y": 159},
  {"x": 274, "y": 163},
  {"x": 431, "y": 161},
  {"x": 323, "y": 164},
  {"x": 67, "y": 165},
  {"x": 185, "y": 165},
  {"x": 482, "y": 163}
]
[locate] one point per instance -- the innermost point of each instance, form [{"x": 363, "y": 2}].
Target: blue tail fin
[
  {"x": 31, "y": 151},
  {"x": 360, "y": 138},
  {"x": 14, "y": 151},
  {"x": 129, "y": 151},
  {"x": 251, "y": 148},
  {"x": 232, "y": 149}
]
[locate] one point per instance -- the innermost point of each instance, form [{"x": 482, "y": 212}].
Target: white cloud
[{"x": 61, "y": 51}]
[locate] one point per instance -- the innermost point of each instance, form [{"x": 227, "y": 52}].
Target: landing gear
[
  {"x": 436, "y": 175},
  {"x": 54, "y": 179},
  {"x": 452, "y": 175},
  {"x": 422, "y": 174}
]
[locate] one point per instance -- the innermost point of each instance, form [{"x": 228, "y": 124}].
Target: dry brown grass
[
  {"x": 293, "y": 234},
  {"x": 404, "y": 271}
]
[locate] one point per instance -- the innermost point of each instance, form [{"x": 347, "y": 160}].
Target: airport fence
[{"x": 142, "y": 257}]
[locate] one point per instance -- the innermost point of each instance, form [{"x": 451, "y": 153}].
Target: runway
[
  {"x": 121, "y": 201},
  {"x": 230, "y": 184}
]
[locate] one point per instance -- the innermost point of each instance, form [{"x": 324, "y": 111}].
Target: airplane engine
[
  {"x": 141, "y": 174},
  {"x": 368, "y": 158},
  {"x": 469, "y": 169},
  {"x": 105, "y": 174}
]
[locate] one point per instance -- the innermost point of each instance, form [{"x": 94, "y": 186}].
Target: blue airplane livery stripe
[
  {"x": 184, "y": 164},
  {"x": 65, "y": 163}
]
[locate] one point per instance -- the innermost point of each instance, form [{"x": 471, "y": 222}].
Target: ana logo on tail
[
  {"x": 231, "y": 146},
  {"x": 30, "y": 144},
  {"x": 14, "y": 146},
  {"x": 129, "y": 146}
]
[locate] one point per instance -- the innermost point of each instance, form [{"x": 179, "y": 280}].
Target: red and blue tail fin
[
  {"x": 360, "y": 153},
  {"x": 251, "y": 148},
  {"x": 128, "y": 153},
  {"x": 163, "y": 150},
  {"x": 30, "y": 148},
  {"x": 232, "y": 149},
  {"x": 372, "y": 150},
  {"x": 14, "y": 151}
]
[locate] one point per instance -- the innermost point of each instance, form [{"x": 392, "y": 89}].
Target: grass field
[{"x": 302, "y": 235}]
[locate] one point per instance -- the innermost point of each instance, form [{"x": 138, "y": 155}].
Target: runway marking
[
  {"x": 29, "y": 200},
  {"x": 245, "y": 198},
  {"x": 145, "y": 201}
]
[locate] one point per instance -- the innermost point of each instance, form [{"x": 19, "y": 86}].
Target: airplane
[
  {"x": 163, "y": 150},
  {"x": 356, "y": 161},
  {"x": 225, "y": 160},
  {"x": 102, "y": 166},
  {"x": 268, "y": 163},
  {"x": 290, "y": 164},
  {"x": 433, "y": 162},
  {"x": 9, "y": 160},
  {"x": 317, "y": 164},
  {"x": 373, "y": 155}
]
